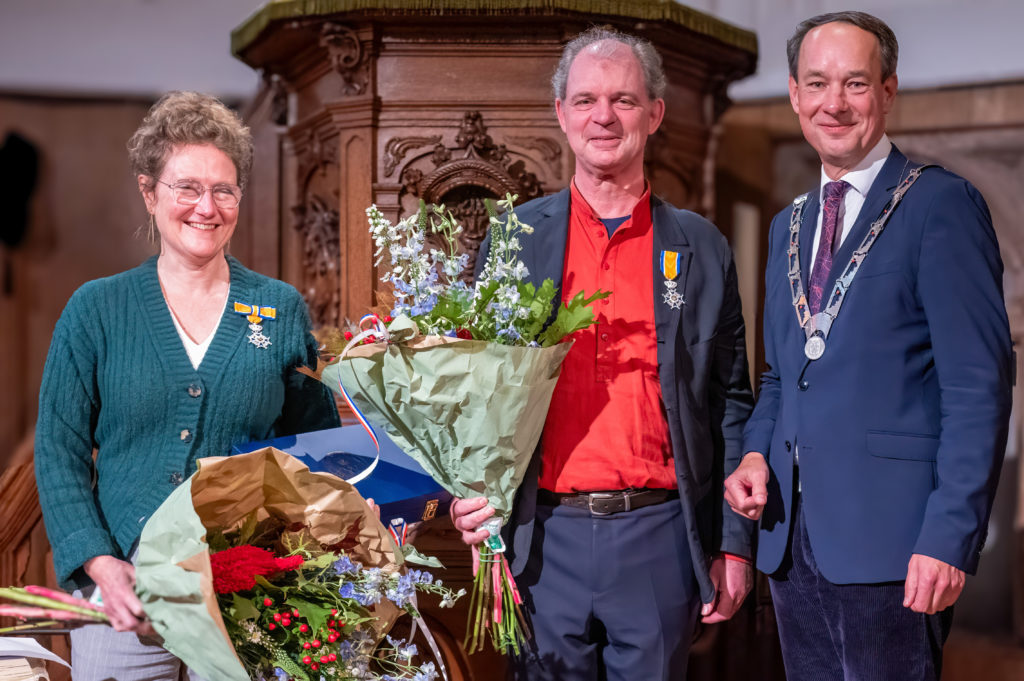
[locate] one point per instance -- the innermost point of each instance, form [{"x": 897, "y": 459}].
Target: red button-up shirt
[{"x": 606, "y": 427}]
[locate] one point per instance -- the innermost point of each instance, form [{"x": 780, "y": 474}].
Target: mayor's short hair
[{"x": 888, "y": 48}]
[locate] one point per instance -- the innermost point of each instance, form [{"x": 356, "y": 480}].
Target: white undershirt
[
  {"x": 860, "y": 179},
  {"x": 196, "y": 351}
]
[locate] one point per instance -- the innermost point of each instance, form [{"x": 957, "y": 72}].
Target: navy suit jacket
[
  {"x": 702, "y": 366},
  {"x": 901, "y": 425}
]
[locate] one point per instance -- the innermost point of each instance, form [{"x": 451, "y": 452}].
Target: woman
[{"x": 153, "y": 368}]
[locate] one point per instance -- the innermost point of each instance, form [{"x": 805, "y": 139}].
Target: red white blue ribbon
[
  {"x": 399, "y": 530},
  {"x": 373, "y": 328}
]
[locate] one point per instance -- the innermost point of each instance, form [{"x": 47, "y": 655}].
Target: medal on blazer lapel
[
  {"x": 670, "y": 270},
  {"x": 255, "y": 315}
]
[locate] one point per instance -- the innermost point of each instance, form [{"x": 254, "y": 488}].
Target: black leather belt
[{"x": 606, "y": 503}]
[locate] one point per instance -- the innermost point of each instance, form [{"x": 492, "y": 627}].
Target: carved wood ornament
[
  {"x": 346, "y": 55},
  {"x": 317, "y": 221},
  {"x": 462, "y": 175}
]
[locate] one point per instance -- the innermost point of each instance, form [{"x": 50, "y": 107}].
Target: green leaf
[
  {"x": 412, "y": 555},
  {"x": 540, "y": 307},
  {"x": 571, "y": 317},
  {"x": 244, "y": 608},
  {"x": 314, "y": 613},
  {"x": 262, "y": 581}
]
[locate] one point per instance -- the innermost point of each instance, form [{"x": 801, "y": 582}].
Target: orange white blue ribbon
[{"x": 670, "y": 261}]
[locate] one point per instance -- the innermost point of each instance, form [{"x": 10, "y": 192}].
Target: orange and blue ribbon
[
  {"x": 255, "y": 313},
  {"x": 670, "y": 264}
]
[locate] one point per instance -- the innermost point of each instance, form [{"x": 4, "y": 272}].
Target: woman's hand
[{"x": 116, "y": 581}]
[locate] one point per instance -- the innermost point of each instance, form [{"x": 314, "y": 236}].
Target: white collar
[{"x": 865, "y": 172}]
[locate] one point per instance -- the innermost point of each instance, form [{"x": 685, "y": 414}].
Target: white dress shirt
[{"x": 860, "y": 179}]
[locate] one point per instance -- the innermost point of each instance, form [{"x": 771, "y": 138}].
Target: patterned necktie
[{"x": 827, "y": 243}]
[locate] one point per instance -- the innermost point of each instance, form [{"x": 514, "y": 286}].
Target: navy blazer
[
  {"x": 901, "y": 425},
  {"x": 702, "y": 365}
]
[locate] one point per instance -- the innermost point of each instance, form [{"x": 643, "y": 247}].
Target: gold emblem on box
[{"x": 430, "y": 510}]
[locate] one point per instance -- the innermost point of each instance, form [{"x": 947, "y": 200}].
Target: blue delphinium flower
[
  {"x": 402, "y": 590},
  {"x": 345, "y": 566},
  {"x": 347, "y": 590},
  {"x": 427, "y": 672}
]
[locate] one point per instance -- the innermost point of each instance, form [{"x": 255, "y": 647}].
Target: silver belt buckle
[{"x": 601, "y": 495}]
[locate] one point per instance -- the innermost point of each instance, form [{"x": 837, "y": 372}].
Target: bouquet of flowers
[
  {"x": 256, "y": 568},
  {"x": 461, "y": 379}
]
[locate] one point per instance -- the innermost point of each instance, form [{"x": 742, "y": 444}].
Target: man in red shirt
[{"x": 619, "y": 536}]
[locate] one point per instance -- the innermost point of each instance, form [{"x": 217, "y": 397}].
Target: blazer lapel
[
  {"x": 808, "y": 225},
  {"x": 878, "y": 195},
  {"x": 545, "y": 253},
  {"x": 668, "y": 236}
]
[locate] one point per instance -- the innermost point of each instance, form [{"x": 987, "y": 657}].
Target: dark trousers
[
  {"x": 609, "y": 598},
  {"x": 850, "y": 632}
]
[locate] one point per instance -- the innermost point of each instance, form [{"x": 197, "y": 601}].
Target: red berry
[
  {"x": 388, "y": 319},
  {"x": 285, "y": 622},
  {"x": 334, "y": 611},
  {"x": 332, "y": 657},
  {"x": 314, "y": 666},
  {"x": 348, "y": 335},
  {"x": 303, "y": 628},
  {"x": 332, "y": 638},
  {"x": 267, "y": 602},
  {"x": 277, "y": 617},
  {"x": 307, "y": 660},
  {"x": 295, "y": 612},
  {"x": 306, "y": 645},
  {"x": 271, "y": 626},
  {"x": 316, "y": 643},
  {"x": 324, "y": 659}
]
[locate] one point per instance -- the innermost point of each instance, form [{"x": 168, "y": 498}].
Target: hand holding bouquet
[{"x": 462, "y": 378}]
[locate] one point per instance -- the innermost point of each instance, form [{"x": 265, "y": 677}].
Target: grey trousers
[{"x": 98, "y": 653}]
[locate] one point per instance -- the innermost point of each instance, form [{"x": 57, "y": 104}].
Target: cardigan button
[
  {"x": 176, "y": 478},
  {"x": 186, "y": 436},
  {"x": 194, "y": 390}
]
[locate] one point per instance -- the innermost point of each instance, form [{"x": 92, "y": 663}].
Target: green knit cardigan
[{"x": 118, "y": 380}]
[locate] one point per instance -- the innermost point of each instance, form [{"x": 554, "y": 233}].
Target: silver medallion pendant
[
  {"x": 257, "y": 338},
  {"x": 672, "y": 297},
  {"x": 814, "y": 348}
]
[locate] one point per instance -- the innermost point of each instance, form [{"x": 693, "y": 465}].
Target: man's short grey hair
[
  {"x": 643, "y": 50},
  {"x": 888, "y": 48}
]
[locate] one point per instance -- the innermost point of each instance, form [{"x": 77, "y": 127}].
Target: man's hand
[
  {"x": 931, "y": 586},
  {"x": 468, "y": 515},
  {"x": 116, "y": 581},
  {"x": 746, "y": 490},
  {"x": 733, "y": 580}
]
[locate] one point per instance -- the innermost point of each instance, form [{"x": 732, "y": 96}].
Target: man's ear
[
  {"x": 889, "y": 88},
  {"x": 657, "y": 114},
  {"x": 794, "y": 95},
  {"x": 561, "y": 114}
]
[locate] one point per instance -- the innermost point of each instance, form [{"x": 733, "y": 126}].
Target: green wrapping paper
[
  {"x": 173, "y": 575},
  {"x": 470, "y": 412}
]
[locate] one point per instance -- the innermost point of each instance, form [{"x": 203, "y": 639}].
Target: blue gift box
[{"x": 398, "y": 485}]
